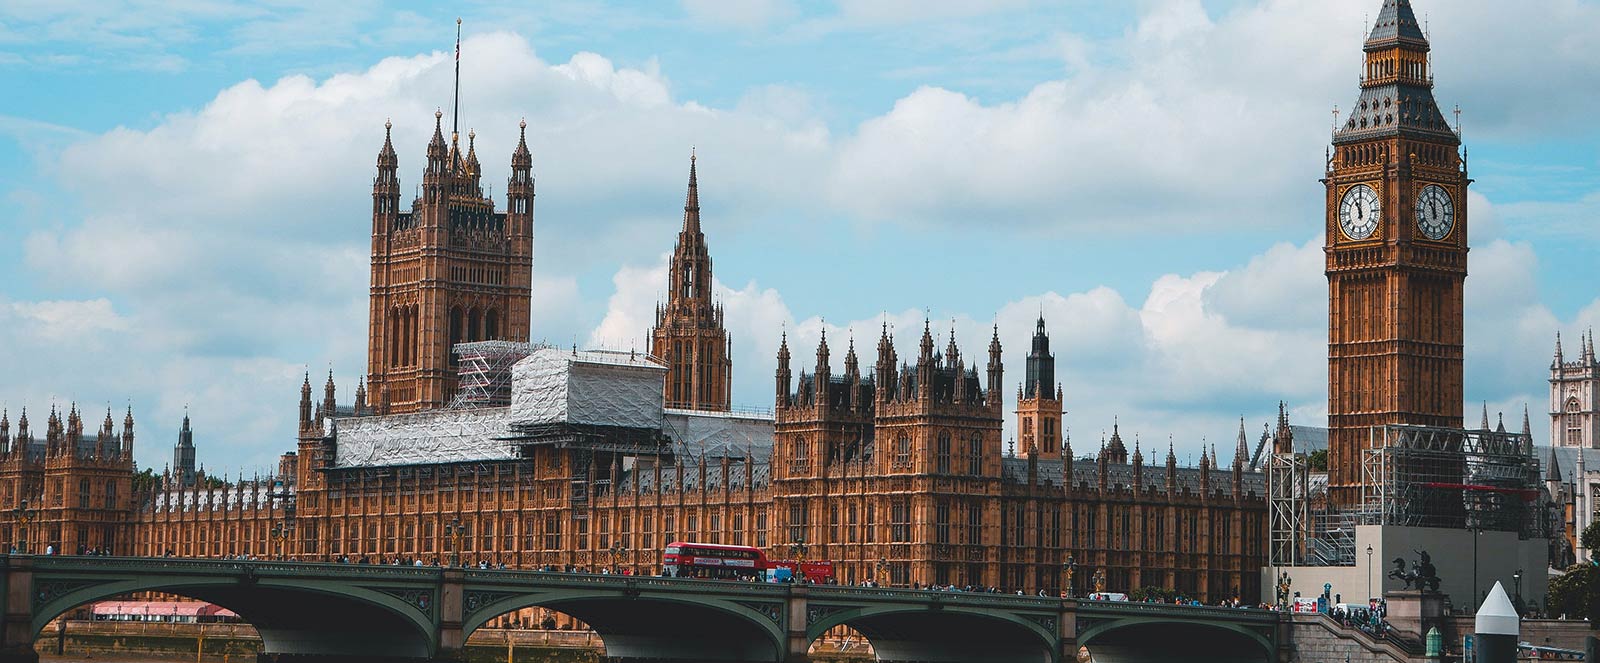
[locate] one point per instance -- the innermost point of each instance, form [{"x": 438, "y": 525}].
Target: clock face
[
  {"x": 1436, "y": 214},
  {"x": 1359, "y": 212}
]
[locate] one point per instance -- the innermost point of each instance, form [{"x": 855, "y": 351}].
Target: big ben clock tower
[{"x": 1396, "y": 253}]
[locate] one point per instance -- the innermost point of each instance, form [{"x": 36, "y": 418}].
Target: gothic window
[
  {"x": 83, "y": 493},
  {"x": 799, "y": 455},
  {"x": 474, "y": 320},
  {"x": 902, "y": 451},
  {"x": 1574, "y": 423},
  {"x": 975, "y": 454},
  {"x": 111, "y": 494},
  {"x": 975, "y": 524},
  {"x": 869, "y": 527},
  {"x": 900, "y": 520},
  {"x": 942, "y": 454},
  {"x": 941, "y": 522},
  {"x": 1049, "y": 426},
  {"x": 455, "y": 330},
  {"x": 850, "y": 525},
  {"x": 491, "y": 325},
  {"x": 797, "y": 521}
]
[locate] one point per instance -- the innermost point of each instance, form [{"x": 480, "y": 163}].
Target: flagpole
[{"x": 455, "y": 110}]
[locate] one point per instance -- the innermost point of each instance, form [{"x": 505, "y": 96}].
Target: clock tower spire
[{"x": 1396, "y": 252}]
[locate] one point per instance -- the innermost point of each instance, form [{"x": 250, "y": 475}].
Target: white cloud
[{"x": 69, "y": 320}]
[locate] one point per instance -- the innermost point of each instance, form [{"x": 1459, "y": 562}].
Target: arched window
[
  {"x": 942, "y": 454},
  {"x": 474, "y": 325},
  {"x": 455, "y": 331},
  {"x": 491, "y": 325},
  {"x": 975, "y": 454},
  {"x": 1574, "y": 423},
  {"x": 902, "y": 451},
  {"x": 799, "y": 455}
]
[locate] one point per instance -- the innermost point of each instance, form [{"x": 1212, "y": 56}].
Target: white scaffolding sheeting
[
  {"x": 589, "y": 387},
  {"x": 437, "y": 436},
  {"x": 701, "y": 434}
]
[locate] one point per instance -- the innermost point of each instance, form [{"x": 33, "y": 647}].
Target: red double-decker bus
[{"x": 713, "y": 561}]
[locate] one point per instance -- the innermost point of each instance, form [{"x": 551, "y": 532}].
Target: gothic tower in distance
[
  {"x": 1396, "y": 253},
  {"x": 450, "y": 270},
  {"x": 1575, "y": 396},
  {"x": 1039, "y": 401},
  {"x": 688, "y": 334}
]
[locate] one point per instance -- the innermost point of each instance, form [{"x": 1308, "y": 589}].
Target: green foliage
[
  {"x": 1318, "y": 460},
  {"x": 1576, "y": 593},
  {"x": 1590, "y": 538},
  {"x": 145, "y": 481}
]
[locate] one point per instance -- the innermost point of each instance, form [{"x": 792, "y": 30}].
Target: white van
[{"x": 1108, "y": 596}]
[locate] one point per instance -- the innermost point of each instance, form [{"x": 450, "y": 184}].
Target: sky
[{"x": 184, "y": 191}]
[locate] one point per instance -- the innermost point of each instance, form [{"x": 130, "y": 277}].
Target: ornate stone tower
[
  {"x": 1396, "y": 253},
  {"x": 183, "y": 455},
  {"x": 1039, "y": 401},
  {"x": 450, "y": 270},
  {"x": 1575, "y": 396},
  {"x": 688, "y": 334}
]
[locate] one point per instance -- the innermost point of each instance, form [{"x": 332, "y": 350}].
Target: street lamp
[
  {"x": 279, "y": 532},
  {"x": 1099, "y": 580},
  {"x": 1517, "y": 579},
  {"x": 24, "y": 515},
  {"x": 797, "y": 550},
  {"x": 615, "y": 553},
  {"x": 1070, "y": 567},
  {"x": 1369, "y": 573},
  {"x": 454, "y": 529}
]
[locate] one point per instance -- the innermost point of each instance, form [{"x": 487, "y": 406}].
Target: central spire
[{"x": 691, "y": 201}]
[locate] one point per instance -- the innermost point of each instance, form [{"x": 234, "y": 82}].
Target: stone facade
[{"x": 450, "y": 270}]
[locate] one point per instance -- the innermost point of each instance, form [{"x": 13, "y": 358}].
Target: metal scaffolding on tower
[{"x": 484, "y": 373}]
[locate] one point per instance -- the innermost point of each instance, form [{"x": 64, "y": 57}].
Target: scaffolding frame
[
  {"x": 1422, "y": 476},
  {"x": 483, "y": 374},
  {"x": 1289, "y": 505}
]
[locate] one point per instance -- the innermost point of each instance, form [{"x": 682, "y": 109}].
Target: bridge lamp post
[
  {"x": 1099, "y": 580},
  {"x": 24, "y": 515},
  {"x": 883, "y": 568},
  {"x": 1070, "y": 567},
  {"x": 454, "y": 529},
  {"x": 616, "y": 552},
  {"x": 279, "y": 532}
]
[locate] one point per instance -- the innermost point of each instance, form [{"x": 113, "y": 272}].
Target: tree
[
  {"x": 1318, "y": 460},
  {"x": 1576, "y": 593}
]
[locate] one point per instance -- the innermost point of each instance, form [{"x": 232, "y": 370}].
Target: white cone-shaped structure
[{"x": 1497, "y": 616}]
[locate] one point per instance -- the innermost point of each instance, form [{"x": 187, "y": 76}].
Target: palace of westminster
[{"x": 894, "y": 470}]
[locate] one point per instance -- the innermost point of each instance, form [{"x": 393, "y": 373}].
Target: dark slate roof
[
  {"x": 1566, "y": 459},
  {"x": 1396, "y": 22},
  {"x": 1085, "y": 471},
  {"x": 1394, "y": 109}
]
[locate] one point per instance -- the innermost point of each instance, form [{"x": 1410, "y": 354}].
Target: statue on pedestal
[{"x": 1420, "y": 576}]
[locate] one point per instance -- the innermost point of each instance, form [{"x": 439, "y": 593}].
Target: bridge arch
[
  {"x": 932, "y": 631},
  {"x": 1155, "y": 638},
  {"x": 638, "y": 623},
  {"x": 293, "y": 615}
]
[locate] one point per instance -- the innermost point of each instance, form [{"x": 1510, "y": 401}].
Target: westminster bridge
[{"x": 349, "y": 612}]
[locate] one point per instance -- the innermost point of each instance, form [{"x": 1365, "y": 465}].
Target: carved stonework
[
  {"x": 1046, "y": 621},
  {"x": 421, "y": 599},
  {"x": 48, "y": 591},
  {"x": 816, "y": 613},
  {"x": 476, "y": 599},
  {"x": 772, "y": 611}
]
